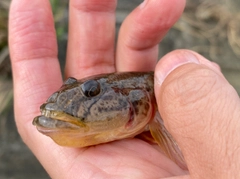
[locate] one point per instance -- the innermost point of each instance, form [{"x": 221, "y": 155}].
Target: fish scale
[{"x": 105, "y": 108}]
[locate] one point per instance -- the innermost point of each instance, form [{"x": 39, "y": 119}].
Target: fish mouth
[{"x": 56, "y": 120}]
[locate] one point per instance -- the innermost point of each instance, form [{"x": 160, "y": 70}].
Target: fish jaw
[{"x": 65, "y": 131}]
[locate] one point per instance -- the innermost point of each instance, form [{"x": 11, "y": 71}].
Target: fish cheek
[
  {"x": 109, "y": 113},
  {"x": 112, "y": 108},
  {"x": 83, "y": 109},
  {"x": 141, "y": 105}
]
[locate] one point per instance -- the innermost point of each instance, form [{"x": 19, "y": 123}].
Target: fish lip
[
  {"x": 47, "y": 124},
  {"x": 57, "y": 120},
  {"x": 41, "y": 128}
]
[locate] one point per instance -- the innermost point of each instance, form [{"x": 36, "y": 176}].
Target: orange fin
[
  {"x": 166, "y": 141},
  {"x": 147, "y": 137}
]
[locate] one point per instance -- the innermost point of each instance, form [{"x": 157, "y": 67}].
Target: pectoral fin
[{"x": 166, "y": 141}]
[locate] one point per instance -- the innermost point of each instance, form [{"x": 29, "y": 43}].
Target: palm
[
  {"x": 37, "y": 75},
  {"x": 121, "y": 159}
]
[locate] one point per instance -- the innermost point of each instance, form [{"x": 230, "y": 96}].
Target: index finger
[{"x": 35, "y": 66}]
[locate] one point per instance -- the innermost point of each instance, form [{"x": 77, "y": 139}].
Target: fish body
[{"x": 105, "y": 108}]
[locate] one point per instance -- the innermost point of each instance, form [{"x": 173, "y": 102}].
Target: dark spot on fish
[
  {"x": 146, "y": 106},
  {"x": 131, "y": 117},
  {"x": 123, "y": 91},
  {"x": 136, "y": 106}
]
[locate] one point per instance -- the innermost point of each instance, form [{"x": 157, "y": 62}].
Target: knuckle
[
  {"x": 188, "y": 93},
  {"x": 188, "y": 87}
]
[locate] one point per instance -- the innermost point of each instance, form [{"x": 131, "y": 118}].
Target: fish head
[{"x": 95, "y": 110}]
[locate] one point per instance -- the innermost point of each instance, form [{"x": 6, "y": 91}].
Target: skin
[{"x": 201, "y": 114}]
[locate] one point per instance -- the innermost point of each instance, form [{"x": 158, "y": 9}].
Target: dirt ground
[{"x": 210, "y": 28}]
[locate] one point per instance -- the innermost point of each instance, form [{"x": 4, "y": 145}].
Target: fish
[{"x": 105, "y": 108}]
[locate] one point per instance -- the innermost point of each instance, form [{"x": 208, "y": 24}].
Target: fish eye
[{"x": 91, "y": 88}]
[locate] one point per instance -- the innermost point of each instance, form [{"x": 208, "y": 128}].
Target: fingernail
[
  {"x": 143, "y": 4},
  {"x": 171, "y": 62}
]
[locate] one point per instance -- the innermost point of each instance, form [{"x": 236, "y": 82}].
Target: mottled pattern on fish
[{"x": 104, "y": 108}]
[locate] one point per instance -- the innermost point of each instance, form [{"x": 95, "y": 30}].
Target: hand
[
  {"x": 37, "y": 75},
  {"x": 202, "y": 111}
]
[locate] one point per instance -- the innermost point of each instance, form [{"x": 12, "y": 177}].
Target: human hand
[
  {"x": 90, "y": 51},
  {"x": 37, "y": 74},
  {"x": 202, "y": 112}
]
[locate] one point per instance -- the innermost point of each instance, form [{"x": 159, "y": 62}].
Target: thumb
[{"x": 202, "y": 112}]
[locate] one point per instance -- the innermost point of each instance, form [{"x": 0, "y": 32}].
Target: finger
[
  {"x": 35, "y": 67},
  {"x": 179, "y": 177},
  {"x": 91, "y": 37},
  {"x": 143, "y": 29},
  {"x": 33, "y": 50},
  {"x": 202, "y": 111}
]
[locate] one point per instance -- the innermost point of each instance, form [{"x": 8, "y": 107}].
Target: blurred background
[{"x": 209, "y": 28}]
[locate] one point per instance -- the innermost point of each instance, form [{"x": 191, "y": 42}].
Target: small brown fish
[{"x": 105, "y": 108}]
